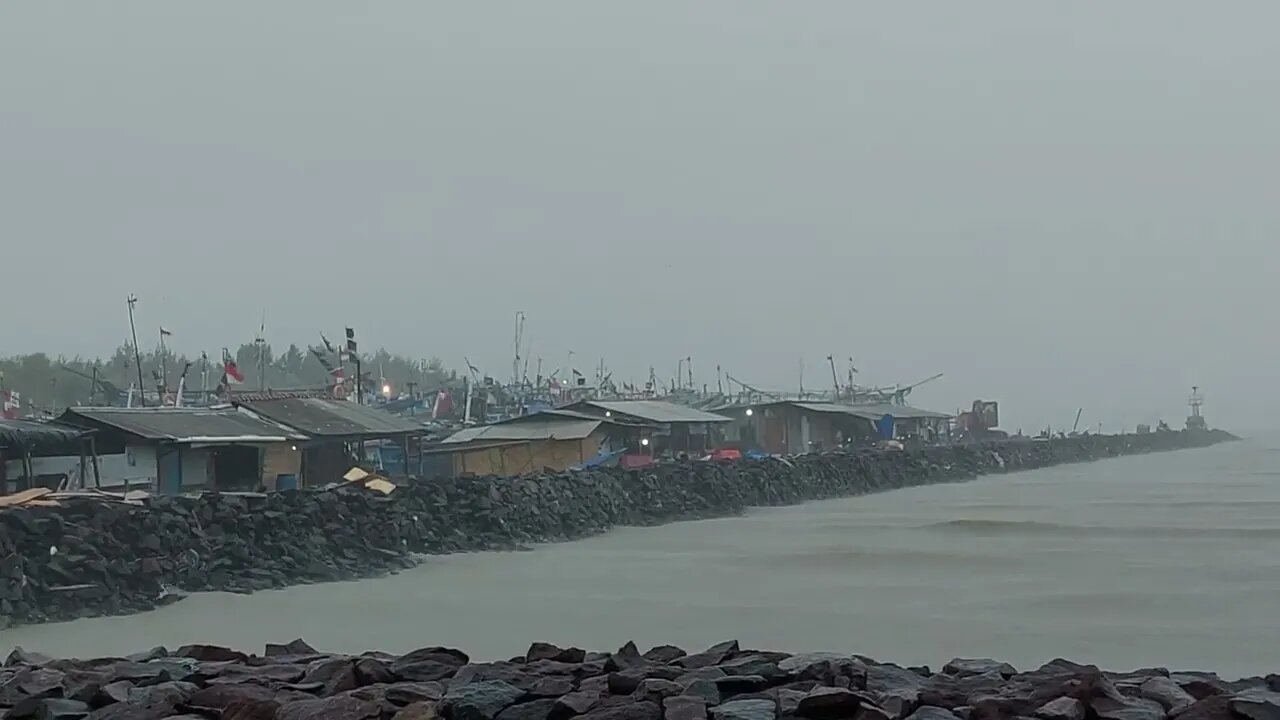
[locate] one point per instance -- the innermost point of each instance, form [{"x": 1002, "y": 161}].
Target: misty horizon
[{"x": 1057, "y": 207}]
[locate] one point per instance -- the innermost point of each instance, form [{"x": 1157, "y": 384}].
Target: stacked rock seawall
[
  {"x": 724, "y": 682},
  {"x": 90, "y": 557}
]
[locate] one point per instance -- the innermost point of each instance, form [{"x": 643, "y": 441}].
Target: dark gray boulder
[
  {"x": 825, "y": 703},
  {"x": 1063, "y": 708},
  {"x": 1256, "y": 704},
  {"x": 745, "y": 710},
  {"x": 684, "y": 707},
  {"x": 533, "y": 710},
  {"x": 978, "y": 666},
  {"x": 479, "y": 701},
  {"x": 1168, "y": 693},
  {"x": 346, "y": 708},
  {"x": 929, "y": 712},
  {"x": 713, "y": 655},
  {"x": 643, "y": 710},
  {"x": 664, "y": 654}
]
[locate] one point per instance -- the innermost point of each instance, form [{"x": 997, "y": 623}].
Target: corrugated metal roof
[
  {"x": 556, "y": 429},
  {"x": 871, "y": 412},
  {"x": 184, "y": 425},
  {"x": 657, "y": 411},
  {"x": 547, "y": 415},
  {"x": 37, "y": 436},
  {"x": 331, "y": 418}
]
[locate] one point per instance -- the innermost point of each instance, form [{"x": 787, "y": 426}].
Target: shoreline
[
  {"x": 117, "y": 553},
  {"x": 293, "y": 681}
]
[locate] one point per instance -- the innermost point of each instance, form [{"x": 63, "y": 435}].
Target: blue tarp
[{"x": 604, "y": 458}]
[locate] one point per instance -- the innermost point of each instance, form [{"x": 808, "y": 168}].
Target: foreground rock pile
[
  {"x": 90, "y": 557},
  {"x": 725, "y": 682}
]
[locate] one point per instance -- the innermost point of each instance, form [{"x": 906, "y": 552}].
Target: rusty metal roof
[
  {"x": 553, "y": 429},
  {"x": 657, "y": 411},
  {"x": 319, "y": 417},
  {"x": 184, "y": 425}
]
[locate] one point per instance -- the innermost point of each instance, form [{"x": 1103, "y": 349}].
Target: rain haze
[{"x": 1057, "y": 205}]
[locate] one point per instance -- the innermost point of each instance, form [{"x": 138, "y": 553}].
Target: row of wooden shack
[{"x": 274, "y": 441}]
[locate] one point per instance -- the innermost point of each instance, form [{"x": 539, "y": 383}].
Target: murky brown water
[{"x": 1169, "y": 559}]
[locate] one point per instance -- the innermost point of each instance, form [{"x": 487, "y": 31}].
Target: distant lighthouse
[{"x": 1195, "y": 421}]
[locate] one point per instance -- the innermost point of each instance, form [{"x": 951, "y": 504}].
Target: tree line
[{"x": 52, "y": 382}]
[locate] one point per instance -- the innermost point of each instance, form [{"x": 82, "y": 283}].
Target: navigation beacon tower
[{"x": 1195, "y": 421}]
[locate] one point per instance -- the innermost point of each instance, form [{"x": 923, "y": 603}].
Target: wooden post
[
  {"x": 404, "y": 442},
  {"x": 93, "y": 449},
  {"x": 82, "y": 461}
]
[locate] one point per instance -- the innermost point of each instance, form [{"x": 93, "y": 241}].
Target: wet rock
[
  {"x": 898, "y": 703},
  {"x": 823, "y": 703},
  {"x": 58, "y": 709},
  {"x": 428, "y": 664},
  {"x": 114, "y": 692},
  {"x": 479, "y": 701},
  {"x": 827, "y": 669},
  {"x": 18, "y": 656},
  {"x": 251, "y": 710},
  {"x": 714, "y": 655},
  {"x": 220, "y": 697},
  {"x": 887, "y": 678},
  {"x": 553, "y": 687},
  {"x": 627, "y": 656},
  {"x": 1214, "y": 707},
  {"x": 574, "y": 704},
  {"x": 1168, "y": 693},
  {"x": 657, "y": 689},
  {"x": 335, "y": 708},
  {"x": 745, "y": 710},
  {"x": 929, "y": 712},
  {"x": 789, "y": 700},
  {"x": 547, "y": 651},
  {"x": 704, "y": 673},
  {"x": 1063, "y": 708},
  {"x": 706, "y": 690},
  {"x": 684, "y": 707},
  {"x": 1135, "y": 709},
  {"x": 167, "y": 693},
  {"x": 627, "y": 711},
  {"x": 664, "y": 654},
  {"x": 1256, "y": 704},
  {"x": 295, "y": 647},
  {"x": 532, "y": 710},
  {"x": 625, "y": 682},
  {"x": 1200, "y": 685},
  {"x": 210, "y": 653},
  {"x": 421, "y": 710},
  {"x": 406, "y": 693},
  {"x": 764, "y": 665},
  {"x": 154, "y": 653},
  {"x": 731, "y": 685},
  {"x": 955, "y": 690},
  {"x": 369, "y": 671},
  {"x": 978, "y": 666},
  {"x": 335, "y": 674}
]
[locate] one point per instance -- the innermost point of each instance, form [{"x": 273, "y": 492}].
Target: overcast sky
[{"x": 1056, "y": 204}]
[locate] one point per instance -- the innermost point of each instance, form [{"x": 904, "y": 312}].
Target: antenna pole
[{"x": 137, "y": 354}]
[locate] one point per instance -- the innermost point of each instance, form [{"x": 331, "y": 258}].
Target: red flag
[
  {"x": 232, "y": 371},
  {"x": 443, "y": 404}
]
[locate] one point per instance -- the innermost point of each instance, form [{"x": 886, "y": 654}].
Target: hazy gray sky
[{"x": 1056, "y": 204}]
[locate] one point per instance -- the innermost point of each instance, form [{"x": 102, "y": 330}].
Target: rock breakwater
[
  {"x": 90, "y": 557},
  {"x": 726, "y": 682}
]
